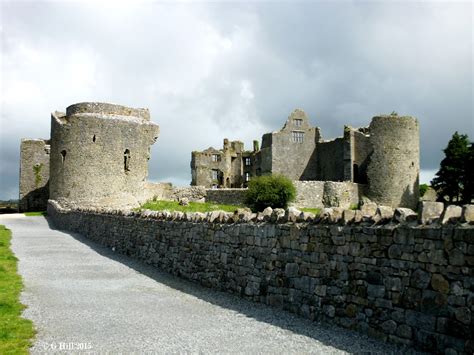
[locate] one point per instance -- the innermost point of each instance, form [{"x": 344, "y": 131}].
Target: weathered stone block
[
  {"x": 404, "y": 215},
  {"x": 394, "y": 251},
  {"x": 291, "y": 269},
  {"x": 439, "y": 283},
  {"x": 320, "y": 290},
  {"x": 420, "y": 320},
  {"x": 385, "y": 213},
  {"x": 468, "y": 214},
  {"x": 369, "y": 209},
  {"x": 389, "y": 326},
  {"x": 456, "y": 257},
  {"x": 420, "y": 279},
  {"x": 430, "y": 212},
  {"x": 348, "y": 216},
  {"x": 451, "y": 214},
  {"x": 463, "y": 314},
  {"x": 375, "y": 291}
]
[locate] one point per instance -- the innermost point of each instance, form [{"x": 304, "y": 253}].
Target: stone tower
[
  {"x": 99, "y": 154},
  {"x": 393, "y": 170}
]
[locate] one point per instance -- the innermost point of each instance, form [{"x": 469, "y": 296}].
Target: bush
[
  {"x": 423, "y": 189},
  {"x": 274, "y": 191}
]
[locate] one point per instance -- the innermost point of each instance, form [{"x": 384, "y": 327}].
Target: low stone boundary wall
[{"x": 405, "y": 283}]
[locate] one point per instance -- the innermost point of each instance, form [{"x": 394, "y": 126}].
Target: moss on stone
[{"x": 37, "y": 169}]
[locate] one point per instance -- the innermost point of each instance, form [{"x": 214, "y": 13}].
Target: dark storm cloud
[{"x": 209, "y": 71}]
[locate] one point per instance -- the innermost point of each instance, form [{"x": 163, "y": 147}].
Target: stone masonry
[
  {"x": 380, "y": 273},
  {"x": 34, "y": 175},
  {"x": 383, "y": 156},
  {"x": 100, "y": 153}
]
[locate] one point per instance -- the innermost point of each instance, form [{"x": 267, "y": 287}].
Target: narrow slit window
[
  {"x": 93, "y": 138},
  {"x": 63, "y": 156},
  {"x": 126, "y": 161}
]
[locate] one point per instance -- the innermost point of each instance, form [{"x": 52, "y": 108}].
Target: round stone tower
[
  {"x": 393, "y": 170},
  {"x": 99, "y": 154}
]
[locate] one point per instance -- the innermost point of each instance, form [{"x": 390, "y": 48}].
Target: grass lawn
[
  {"x": 39, "y": 213},
  {"x": 316, "y": 211},
  {"x": 192, "y": 207},
  {"x": 16, "y": 332}
]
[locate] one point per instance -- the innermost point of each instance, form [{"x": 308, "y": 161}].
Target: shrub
[
  {"x": 423, "y": 189},
  {"x": 274, "y": 191}
]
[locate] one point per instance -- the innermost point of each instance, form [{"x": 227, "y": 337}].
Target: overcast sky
[{"x": 208, "y": 71}]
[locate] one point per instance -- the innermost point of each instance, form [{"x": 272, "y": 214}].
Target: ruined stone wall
[
  {"x": 226, "y": 196},
  {"x": 296, "y": 160},
  {"x": 362, "y": 149},
  {"x": 265, "y": 154},
  {"x": 99, "y": 154},
  {"x": 313, "y": 194},
  {"x": 330, "y": 160},
  {"x": 411, "y": 285},
  {"x": 227, "y": 162},
  {"x": 319, "y": 194},
  {"x": 34, "y": 175},
  {"x": 202, "y": 166},
  {"x": 394, "y": 167}
]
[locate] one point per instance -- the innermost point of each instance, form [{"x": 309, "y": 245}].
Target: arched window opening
[
  {"x": 63, "y": 156},
  {"x": 126, "y": 161}
]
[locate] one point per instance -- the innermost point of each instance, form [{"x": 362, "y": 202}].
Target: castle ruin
[
  {"x": 98, "y": 155},
  {"x": 383, "y": 156}
]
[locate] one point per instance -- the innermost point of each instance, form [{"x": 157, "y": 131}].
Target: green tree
[
  {"x": 468, "y": 179},
  {"x": 450, "y": 178},
  {"x": 274, "y": 191}
]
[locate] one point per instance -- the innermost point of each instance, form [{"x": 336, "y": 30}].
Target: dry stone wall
[{"x": 405, "y": 283}]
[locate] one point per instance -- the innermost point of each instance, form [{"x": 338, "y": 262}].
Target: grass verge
[
  {"x": 32, "y": 214},
  {"x": 16, "y": 333},
  {"x": 192, "y": 207}
]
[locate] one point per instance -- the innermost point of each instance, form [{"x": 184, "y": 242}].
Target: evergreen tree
[
  {"x": 468, "y": 180},
  {"x": 450, "y": 178}
]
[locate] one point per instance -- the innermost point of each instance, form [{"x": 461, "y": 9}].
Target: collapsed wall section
[
  {"x": 411, "y": 285},
  {"x": 34, "y": 175}
]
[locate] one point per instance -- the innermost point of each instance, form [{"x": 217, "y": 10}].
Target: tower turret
[{"x": 393, "y": 170}]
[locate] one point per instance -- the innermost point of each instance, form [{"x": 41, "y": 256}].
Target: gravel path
[{"x": 81, "y": 295}]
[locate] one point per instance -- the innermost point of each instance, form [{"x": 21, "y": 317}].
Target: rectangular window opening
[{"x": 297, "y": 136}]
